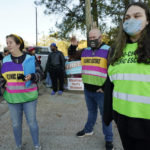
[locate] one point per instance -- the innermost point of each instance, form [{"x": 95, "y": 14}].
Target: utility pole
[
  {"x": 88, "y": 16},
  {"x": 36, "y": 26}
]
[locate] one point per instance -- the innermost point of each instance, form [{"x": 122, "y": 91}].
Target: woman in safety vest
[
  {"x": 20, "y": 73},
  {"x": 128, "y": 82}
]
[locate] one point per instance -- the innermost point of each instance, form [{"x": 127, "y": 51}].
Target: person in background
[
  {"x": 31, "y": 51},
  {"x": 72, "y": 54},
  {"x": 25, "y": 50},
  {"x": 6, "y": 52},
  {"x": 56, "y": 68},
  {"x": 128, "y": 83},
  {"x": 48, "y": 81},
  {"x": 19, "y": 97},
  {"x": 94, "y": 73},
  {"x": 1, "y": 59}
]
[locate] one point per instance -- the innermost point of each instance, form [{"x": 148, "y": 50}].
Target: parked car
[{"x": 42, "y": 53}]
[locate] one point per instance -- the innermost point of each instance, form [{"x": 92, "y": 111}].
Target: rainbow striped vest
[
  {"x": 94, "y": 65},
  {"x": 16, "y": 92}
]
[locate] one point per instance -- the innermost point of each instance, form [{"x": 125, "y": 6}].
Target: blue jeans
[
  {"x": 16, "y": 112},
  {"x": 48, "y": 80},
  {"x": 95, "y": 100}
]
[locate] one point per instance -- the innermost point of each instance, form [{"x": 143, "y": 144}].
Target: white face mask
[{"x": 132, "y": 26}]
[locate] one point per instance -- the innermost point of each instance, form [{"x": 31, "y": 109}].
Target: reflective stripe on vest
[
  {"x": 96, "y": 73},
  {"x": 132, "y": 98},
  {"x": 130, "y": 77},
  {"x": 33, "y": 85}
]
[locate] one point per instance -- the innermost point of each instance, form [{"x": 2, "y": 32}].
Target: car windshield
[{"x": 39, "y": 50}]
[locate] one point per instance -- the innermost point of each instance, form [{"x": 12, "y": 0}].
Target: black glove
[{"x": 21, "y": 76}]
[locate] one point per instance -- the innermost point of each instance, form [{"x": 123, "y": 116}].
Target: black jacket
[
  {"x": 55, "y": 60},
  {"x": 108, "y": 111}
]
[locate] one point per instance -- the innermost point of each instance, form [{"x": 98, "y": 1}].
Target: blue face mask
[{"x": 132, "y": 26}]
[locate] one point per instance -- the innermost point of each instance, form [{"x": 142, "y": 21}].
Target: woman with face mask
[
  {"x": 21, "y": 89},
  {"x": 128, "y": 82}
]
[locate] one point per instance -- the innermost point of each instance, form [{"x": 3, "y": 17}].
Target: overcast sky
[{"x": 18, "y": 17}]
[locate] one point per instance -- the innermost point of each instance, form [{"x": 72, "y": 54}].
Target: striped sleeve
[{"x": 39, "y": 74}]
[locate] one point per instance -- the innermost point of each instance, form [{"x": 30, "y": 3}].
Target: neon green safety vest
[{"x": 131, "y": 94}]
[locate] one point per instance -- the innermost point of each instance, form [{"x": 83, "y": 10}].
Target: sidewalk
[{"x": 59, "y": 117}]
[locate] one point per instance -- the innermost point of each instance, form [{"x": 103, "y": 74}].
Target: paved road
[{"x": 59, "y": 117}]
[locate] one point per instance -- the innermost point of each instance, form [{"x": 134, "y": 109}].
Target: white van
[{"x": 42, "y": 53}]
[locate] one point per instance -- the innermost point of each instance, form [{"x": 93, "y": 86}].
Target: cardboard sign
[{"x": 75, "y": 84}]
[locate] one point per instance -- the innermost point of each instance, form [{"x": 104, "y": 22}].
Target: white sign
[{"x": 75, "y": 84}]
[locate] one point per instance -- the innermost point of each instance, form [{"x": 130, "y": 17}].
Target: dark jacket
[
  {"x": 108, "y": 111},
  {"x": 73, "y": 54},
  {"x": 56, "y": 60},
  {"x": 1, "y": 56}
]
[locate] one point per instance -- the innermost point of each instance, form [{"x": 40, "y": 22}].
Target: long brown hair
[{"x": 143, "y": 51}]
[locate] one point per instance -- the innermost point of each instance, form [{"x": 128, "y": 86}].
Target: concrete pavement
[{"x": 59, "y": 118}]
